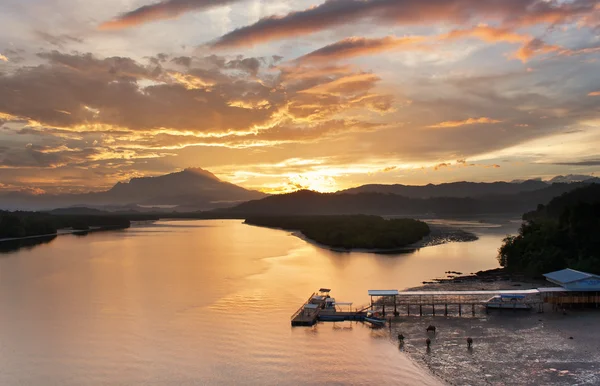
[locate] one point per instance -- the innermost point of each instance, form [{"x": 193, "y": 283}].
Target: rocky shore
[{"x": 509, "y": 347}]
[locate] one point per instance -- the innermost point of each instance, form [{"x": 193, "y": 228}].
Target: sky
[{"x": 286, "y": 95}]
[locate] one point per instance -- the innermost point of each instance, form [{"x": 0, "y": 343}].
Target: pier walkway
[
  {"x": 321, "y": 307},
  {"x": 445, "y": 302}
]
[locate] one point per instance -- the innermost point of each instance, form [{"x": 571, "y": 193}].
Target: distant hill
[
  {"x": 574, "y": 178},
  {"x": 562, "y": 234},
  {"x": 556, "y": 207},
  {"x": 190, "y": 190},
  {"x": 453, "y": 189},
  {"x": 313, "y": 203}
]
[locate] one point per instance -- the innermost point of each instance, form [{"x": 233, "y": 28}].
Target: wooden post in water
[
  {"x": 446, "y": 310},
  {"x": 408, "y": 309},
  {"x": 473, "y": 306},
  {"x": 433, "y": 308},
  {"x": 459, "y": 309},
  {"x": 420, "y": 310}
]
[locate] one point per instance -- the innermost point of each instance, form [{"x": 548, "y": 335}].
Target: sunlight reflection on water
[{"x": 204, "y": 302}]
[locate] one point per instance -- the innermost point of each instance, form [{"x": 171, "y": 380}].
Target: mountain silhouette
[
  {"x": 453, "y": 189},
  {"x": 313, "y": 203},
  {"x": 190, "y": 189}
]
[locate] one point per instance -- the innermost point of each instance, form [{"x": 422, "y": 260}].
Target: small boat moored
[
  {"x": 508, "y": 301},
  {"x": 375, "y": 319}
]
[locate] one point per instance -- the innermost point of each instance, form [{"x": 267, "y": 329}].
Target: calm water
[{"x": 205, "y": 302}]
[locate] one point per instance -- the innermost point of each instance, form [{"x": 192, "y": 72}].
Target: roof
[
  {"x": 568, "y": 275},
  {"x": 383, "y": 292},
  {"x": 512, "y": 296},
  {"x": 466, "y": 293},
  {"x": 324, "y": 290},
  {"x": 311, "y": 306}
]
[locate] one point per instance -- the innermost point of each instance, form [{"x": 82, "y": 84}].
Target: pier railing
[{"x": 299, "y": 310}]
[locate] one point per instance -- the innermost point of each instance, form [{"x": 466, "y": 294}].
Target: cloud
[
  {"x": 3, "y": 58},
  {"x": 357, "y": 46},
  {"x": 57, "y": 40},
  {"x": 78, "y": 110},
  {"x": 333, "y": 13},
  {"x": 586, "y": 162},
  {"x": 488, "y": 34},
  {"x": 468, "y": 121},
  {"x": 440, "y": 166},
  {"x": 535, "y": 47},
  {"x": 168, "y": 9},
  {"x": 594, "y": 93}
]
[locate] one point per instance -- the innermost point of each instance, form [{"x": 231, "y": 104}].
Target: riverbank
[
  {"x": 8, "y": 245},
  {"x": 524, "y": 348}
]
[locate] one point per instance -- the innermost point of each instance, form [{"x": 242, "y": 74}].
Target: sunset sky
[{"x": 282, "y": 95}]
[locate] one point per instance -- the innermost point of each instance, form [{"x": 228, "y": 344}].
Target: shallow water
[{"x": 205, "y": 302}]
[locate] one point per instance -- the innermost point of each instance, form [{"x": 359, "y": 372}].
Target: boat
[
  {"x": 508, "y": 301},
  {"x": 375, "y": 319}
]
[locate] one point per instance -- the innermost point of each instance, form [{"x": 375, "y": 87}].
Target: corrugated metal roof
[
  {"x": 460, "y": 293},
  {"x": 383, "y": 292},
  {"x": 568, "y": 275}
]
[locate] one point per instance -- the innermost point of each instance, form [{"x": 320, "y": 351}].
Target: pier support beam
[
  {"x": 473, "y": 309},
  {"x": 433, "y": 308},
  {"x": 446, "y": 310},
  {"x": 459, "y": 309},
  {"x": 420, "y": 310},
  {"x": 408, "y": 309}
]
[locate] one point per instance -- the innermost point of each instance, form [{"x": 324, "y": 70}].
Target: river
[{"x": 207, "y": 302}]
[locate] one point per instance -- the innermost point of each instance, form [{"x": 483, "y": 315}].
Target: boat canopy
[
  {"x": 324, "y": 290},
  {"x": 383, "y": 292},
  {"x": 311, "y": 306},
  {"x": 511, "y": 296}
]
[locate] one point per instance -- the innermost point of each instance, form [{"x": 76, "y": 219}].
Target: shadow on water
[{"x": 7, "y": 247}]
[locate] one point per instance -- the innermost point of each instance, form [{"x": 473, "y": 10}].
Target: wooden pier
[
  {"x": 419, "y": 303},
  {"x": 321, "y": 307}
]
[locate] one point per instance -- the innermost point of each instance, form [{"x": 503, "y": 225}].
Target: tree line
[
  {"x": 350, "y": 231},
  {"x": 25, "y": 224},
  {"x": 563, "y": 234}
]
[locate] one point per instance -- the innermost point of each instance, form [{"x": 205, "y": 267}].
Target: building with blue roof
[{"x": 573, "y": 280}]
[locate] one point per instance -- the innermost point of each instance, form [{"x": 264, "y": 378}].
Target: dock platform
[{"x": 321, "y": 307}]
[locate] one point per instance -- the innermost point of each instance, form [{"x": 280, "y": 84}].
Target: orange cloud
[
  {"x": 488, "y": 34},
  {"x": 534, "y": 47},
  {"x": 3, "y": 58},
  {"x": 469, "y": 121},
  {"x": 333, "y": 13},
  {"x": 168, "y": 9},
  {"x": 594, "y": 93},
  {"x": 357, "y": 46}
]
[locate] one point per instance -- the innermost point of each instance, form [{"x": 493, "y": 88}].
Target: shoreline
[
  {"x": 66, "y": 231},
  {"x": 525, "y": 348}
]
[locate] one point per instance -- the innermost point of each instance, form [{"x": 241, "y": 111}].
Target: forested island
[
  {"x": 29, "y": 224},
  {"x": 563, "y": 234},
  {"x": 350, "y": 231}
]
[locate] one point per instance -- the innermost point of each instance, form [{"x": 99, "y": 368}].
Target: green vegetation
[
  {"x": 352, "y": 231},
  {"x": 563, "y": 234},
  {"x": 26, "y": 224}
]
